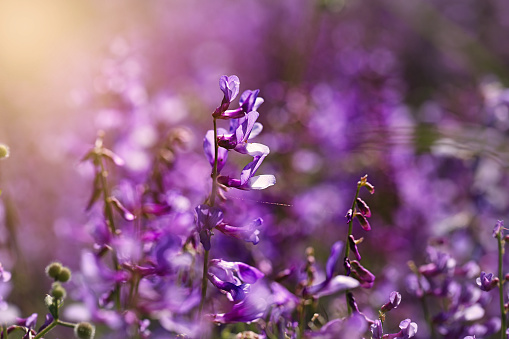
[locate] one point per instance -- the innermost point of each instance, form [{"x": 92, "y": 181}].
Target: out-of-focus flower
[
  {"x": 332, "y": 284},
  {"x": 4, "y": 151},
  {"x": 5, "y": 276},
  {"x": 208, "y": 147},
  {"x": 233, "y": 278},
  {"x": 365, "y": 277},
  {"x": 408, "y": 330},
  {"x": 487, "y": 282},
  {"x": 377, "y": 329},
  {"x": 352, "y": 327},
  {"x": 394, "y": 301},
  {"x": 247, "y": 233},
  {"x": 498, "y": 229},
  {"x": 207, "y": 218}
]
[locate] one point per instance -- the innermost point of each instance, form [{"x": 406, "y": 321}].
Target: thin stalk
[
  {"x": 347, "y": 246},
  {"x": 302, "y": 318},
  {"x": 214, "y": 171},
  {"x": 501, "y": 284},
  {"x": 212, "y": 201},
  {"x": 204, "y": 281},
  {"x": 47, "y": 329},
  {"x": 108, "y": 211}
]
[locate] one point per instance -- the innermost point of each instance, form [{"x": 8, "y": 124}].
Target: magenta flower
[{"x": 208, "y": 147}]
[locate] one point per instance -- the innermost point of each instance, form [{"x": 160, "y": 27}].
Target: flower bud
[
  {"x": 64, "y": 275},
  {"x": 57, "y": 291},
  {"x": 53, "y": 269},
  {"x": 4, "y": 151},
  {"x": 84, "y": 330}
]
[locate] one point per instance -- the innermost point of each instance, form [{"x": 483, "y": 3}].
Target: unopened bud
[
  {"x": 57, "y": 291},
  {"x": 4, "y": 151},
  {"x": 84, "y": 330},
  {"x": 64, "y": 275},
  {"x": 53, "y": 269}
]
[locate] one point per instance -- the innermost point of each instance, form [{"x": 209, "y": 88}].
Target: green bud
[
  {"x": 53, "y": 269},
  {"x": 64, "y": 275},
  {"x": 4, "y": 151},
  {"x": 57, "y": 291},
  {"x": 84, "y": 330}
]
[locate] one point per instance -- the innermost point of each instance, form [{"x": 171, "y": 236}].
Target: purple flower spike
[
  {"x": 208, "y": 147},
  {"x": 487, "y": 282},
  {"x": 207, "y": 218},
  {"x": 229, "y": 85},
  {"x": 394, "y": 301},
  {"x": 498, "y": 229},
  {"x": 247, "y": 233}
]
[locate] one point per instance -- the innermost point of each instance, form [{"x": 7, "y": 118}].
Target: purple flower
[
  {"x": 365, "y": 277},
  {"x": 498, "y": 229},
  {"x": 247, "y": 233},
  {"x": 229, "y": 85},
  {"x": 332, "y": 284},
  {"x": 207, "y": 218},
  {"x": 487, "y": 282},
  {"x": 249, "y": 102},
  {"x": 394, "y": 301},
  {"x": 248, "y": 181},
  {"x": 5, "y": 276},
  {"x": 241, "y": 130},
  {"x": 408, "y": 330},
  {"x": 377, "y": 330}
]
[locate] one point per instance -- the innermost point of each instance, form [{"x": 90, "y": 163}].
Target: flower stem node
[
  {"x": 53, "y": 270},
  {"x": 84, "y": 330},
  {"x": 64, "y": 275},
  {"x": 4, "y": 151}
]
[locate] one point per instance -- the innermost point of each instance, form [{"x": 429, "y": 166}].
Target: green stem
[
  {"x": 66, "y": 324},
  {"x": 47, "y": 329},
  {"x": 214, "y": 171},
  {"x": 501, "y": 284},
  {"x": 204, "y": 281}
]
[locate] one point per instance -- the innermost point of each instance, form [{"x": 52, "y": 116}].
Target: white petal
[
  {"x": 255, "y": 150},
  {"x": 257, "y": 128},
  {"x": 261, "y": 182}
]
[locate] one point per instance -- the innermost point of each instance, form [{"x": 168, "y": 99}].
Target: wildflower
[
  {"x": 248, "y": 181},
  {"x": 498, "y": 229},
  {"x": 487, "y": 282},
  {"x": 377, "y": 330},
  {"x": 229, "y": 85},
  {"x": 208, "y": 147},
  {"x": 365, "y": 277},
  {"x": 207, "y": 218},
  {"x": 247, "y": 233},
  {"x": 241, "y": 130},
  {"x": 332, "y": 284},
  {"x": 394, "y": 301}
]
